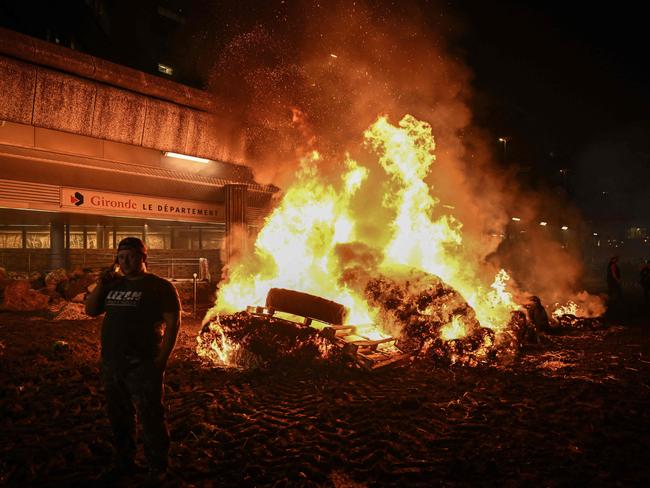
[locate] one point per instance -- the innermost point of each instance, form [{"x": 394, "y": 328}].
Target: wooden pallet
[{"x": 365, "y": 352}]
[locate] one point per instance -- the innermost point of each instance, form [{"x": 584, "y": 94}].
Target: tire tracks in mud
[
  {"x": 417, "y": 426},
  {"x": 305, "y": 426}
]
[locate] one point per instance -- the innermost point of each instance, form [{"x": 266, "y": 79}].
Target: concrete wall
[{"x": 53, "y": 87}]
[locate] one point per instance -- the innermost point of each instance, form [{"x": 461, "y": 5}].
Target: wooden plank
[
  {"x": 375, "y": 361},
  {"x": 370, "y": 343}
]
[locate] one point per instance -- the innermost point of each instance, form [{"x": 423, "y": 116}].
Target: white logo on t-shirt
[{"x": 123, "y": 298}]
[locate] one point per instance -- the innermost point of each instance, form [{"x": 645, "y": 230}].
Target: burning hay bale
[
  {"x": 248, "y": 340},
  {"x": 433, "y": 320},
  {"x": 584, "y": 313},
  {"x": 567, "y": 321}
]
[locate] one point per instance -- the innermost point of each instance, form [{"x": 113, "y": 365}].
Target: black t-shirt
[{"x": 133, "y": 322}]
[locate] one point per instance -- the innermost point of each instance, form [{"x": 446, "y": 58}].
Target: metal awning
[{"x": 47, "y": 167}]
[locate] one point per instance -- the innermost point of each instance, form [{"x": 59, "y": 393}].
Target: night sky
[
  {"x": 566, "y": 82},
  {"x": 572, "y": 72},
  {"x": 569, "y": 83}
]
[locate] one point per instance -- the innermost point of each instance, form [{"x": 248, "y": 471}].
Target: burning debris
[
  {"x": 384, "y": 271},
  {"x": 434, "y": 322},
  {"x": 564, "y": 318},
  {"x": 294, "y": 327},
  {"x": 568, "y": 321}
]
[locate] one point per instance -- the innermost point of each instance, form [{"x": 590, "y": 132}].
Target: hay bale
[
  {"x": 72, "y": 311},
  {"x": 19, "y": 296},
  {"x": 54, "y": 278}
]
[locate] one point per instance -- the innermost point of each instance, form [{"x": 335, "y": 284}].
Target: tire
[{"x": 306, "y": 305}]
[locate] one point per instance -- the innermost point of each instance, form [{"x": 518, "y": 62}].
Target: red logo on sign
[{"x": 77, "y": 199}]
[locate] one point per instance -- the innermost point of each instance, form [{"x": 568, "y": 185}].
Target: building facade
[{"x": 89, "y": 154}]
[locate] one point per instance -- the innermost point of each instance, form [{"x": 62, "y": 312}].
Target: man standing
[
  {"x": 134, "y": 355},
  {"x": 644, "y": 279},
  {"x": 614, "y": 288}
]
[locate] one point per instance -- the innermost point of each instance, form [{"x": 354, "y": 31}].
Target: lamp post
[
  {"x": 563, "y": 175},
  {"x": 565, "y": 235},
  {"x": 504, "y": 140}
]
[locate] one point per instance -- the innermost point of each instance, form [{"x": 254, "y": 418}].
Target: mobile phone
[
  {"x": 109, "y": 273},
  {"x": 115, "y": 268}
]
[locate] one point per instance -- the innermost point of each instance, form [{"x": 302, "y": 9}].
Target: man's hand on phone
[{"x": 108, "y": 275}]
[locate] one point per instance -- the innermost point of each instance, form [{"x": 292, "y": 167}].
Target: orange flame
[
  {"x": 296, "y": 248},
  {"x": 571, "y": 308},
  {"x": 453, "y": 330}
]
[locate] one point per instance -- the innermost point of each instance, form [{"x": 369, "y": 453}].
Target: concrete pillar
[
  {"x": 66, "y": 249},
  {"x": 57, "y": 245},
  {"x": 99, "y": 236},
  {"x": 236, "y": 197}
]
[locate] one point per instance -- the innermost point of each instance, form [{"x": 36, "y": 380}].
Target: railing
[
  {"x": 180, "y": 268},
  {"x": 173, "y": 268},
  {"x": 22, "y": 261}
]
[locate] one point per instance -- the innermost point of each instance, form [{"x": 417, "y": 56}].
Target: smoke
[
  {"x": 312, "y": 76},
  {"x": 317, "y": 77},
  {"x": 320, "y": 83},
  {"x": 358, "y": 263}
]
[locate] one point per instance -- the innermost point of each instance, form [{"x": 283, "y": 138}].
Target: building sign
[{"x": 108, "y": 203}]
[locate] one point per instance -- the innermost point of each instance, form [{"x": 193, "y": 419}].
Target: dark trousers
[{"x": 130, "y": 390}]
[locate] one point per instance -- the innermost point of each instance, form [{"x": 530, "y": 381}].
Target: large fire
[{"x": 300, "y": 246}]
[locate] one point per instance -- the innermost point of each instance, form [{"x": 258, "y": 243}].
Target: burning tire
[{"x": 306, "y": 305}]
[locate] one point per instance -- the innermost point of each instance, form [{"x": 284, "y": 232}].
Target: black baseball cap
[{"x": 133, "y": 243}]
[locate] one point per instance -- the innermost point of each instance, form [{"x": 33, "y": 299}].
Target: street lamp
[
  {"x": 563, "y": 174},
  {"x": 504, "y": 140},
  {"x": 565, "y": 236}
]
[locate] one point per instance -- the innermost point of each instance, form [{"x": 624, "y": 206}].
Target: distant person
[
  {"x": 614, "y": 288},
  {"x": 537, "y": 315},
  {"x": 644, "y": 279},
  {"x": 134, "y": 355}
]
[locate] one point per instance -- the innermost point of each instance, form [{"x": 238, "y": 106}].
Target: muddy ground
[{"x": 572, "y": 410}]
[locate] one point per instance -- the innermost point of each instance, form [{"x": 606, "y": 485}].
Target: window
[
  {"x": 211, "y": 239},
  {"x": 91, "y": 240},
  {"x": 159, "y": 240},
  {"x": 76, "y": 237},
  {"x": 637, "y": 232},
  {"x": 10, "y": 239},
  {"x": 163, "y": 68},
  {"x": 128, "y": 231},
  {"x": 185, "y": 238},
  {"x": 37, "y": 237}
]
